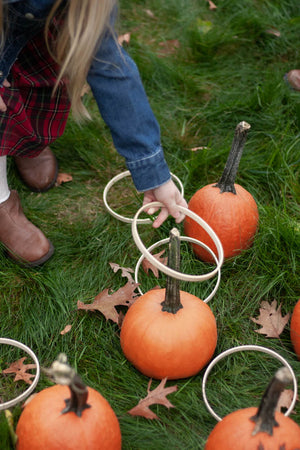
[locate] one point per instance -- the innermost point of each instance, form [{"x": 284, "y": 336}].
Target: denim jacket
[{"x": 116, "y": 85}]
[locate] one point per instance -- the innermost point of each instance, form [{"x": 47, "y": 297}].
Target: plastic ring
[
  {"x": 182, "y": 238},
  {"x": 119, "y": 177},
  {"x": 242, "y": 348},
  {"x": 28, "y": 391},
  {"x": 167, "y": 270}
]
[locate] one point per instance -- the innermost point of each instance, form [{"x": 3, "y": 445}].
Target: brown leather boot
[
  {"x": 38, "y": 173},
  {"x": 24, "y": 242}
]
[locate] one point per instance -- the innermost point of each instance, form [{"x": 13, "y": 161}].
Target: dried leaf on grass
[
  {"x": 212, "y": 6},
  {"x": 168, "y": 47},
  {"x": 285, "y": 400},
  {"x": 157, "y": 396},
  {"x": 66, "y": 329},
  {"x": 63, "y": 178},
  {"x": 271, "y": 319},
  {"x": 20, "y": 369},
  {"x": 125, "y": 271},
  {"x": 106, "y": 303},
  {"x": 147, "y": 265}
]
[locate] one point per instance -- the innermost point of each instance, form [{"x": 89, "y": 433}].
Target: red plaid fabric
[{"x": 34, "y": 117}]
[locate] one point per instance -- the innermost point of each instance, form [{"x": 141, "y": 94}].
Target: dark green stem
[
  {"x": 265, "y": 416},
  {"x": 172, "y": 302},
  {"x": 226, "y": 182}
]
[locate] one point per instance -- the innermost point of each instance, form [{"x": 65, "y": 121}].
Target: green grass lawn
[{"x": 221, "y": 66}]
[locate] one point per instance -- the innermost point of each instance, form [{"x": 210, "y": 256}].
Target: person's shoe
[
  {"x": 292, "y": 78},
  {"x": 38, "y": 173},
  {"x": 24, "y": 242}
]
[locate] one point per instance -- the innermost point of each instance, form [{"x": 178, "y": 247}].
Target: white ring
[
  {"x": 182, "y": 238},
  {"x": 28, "y": 391},
  {"x": 242, "y": 348},
  {"x": 118, "y": 178},
  {"x": 162, "y": 267}
]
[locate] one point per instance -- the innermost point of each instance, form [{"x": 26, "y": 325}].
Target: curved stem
[
  {"x": 226, "y": 182},
  {"x": 265, "y": 416},
  {"x": 61, "y": 373},
  {"x": 172, "y": 302}
]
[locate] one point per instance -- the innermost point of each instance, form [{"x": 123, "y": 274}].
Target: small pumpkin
[
  {"x": 295, "y": 329},
  {"x": 168, "y": 332},
  {"x": 262, "y": 428},
  {"x": 85, "y": 421},
  {"x": 227, "y": 207}
]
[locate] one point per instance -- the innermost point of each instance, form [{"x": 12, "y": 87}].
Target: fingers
[
  {"x": 3, "y": 107},
  {"x": 162, "y": 216}
]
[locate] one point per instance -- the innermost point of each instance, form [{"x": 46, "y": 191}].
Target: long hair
[{"x": 84, "y": 24}]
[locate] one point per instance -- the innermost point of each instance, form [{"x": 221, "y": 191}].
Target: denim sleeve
[{"x": 123, "y": 105}]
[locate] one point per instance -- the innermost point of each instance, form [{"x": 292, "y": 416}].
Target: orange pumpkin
[
  {"x": 227, "y": 207},
  {"x": 168, "y": 332},
  {"x": 46, "y": 422},
  {"x": 295, "y": 329},
  {"x": 262, "y": 428}
]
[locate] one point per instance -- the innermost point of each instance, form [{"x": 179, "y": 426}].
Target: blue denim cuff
[{"x": 149, "y": 172}]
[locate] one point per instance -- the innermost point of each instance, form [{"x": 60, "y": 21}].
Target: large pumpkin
[
  {"x": 227, "y": 207},
  {"x": 87, "y": 422},
  {"x": 258, "y": 429},
  {"x": 295, "y": 329},
  {"x": 168, "y": 332}
]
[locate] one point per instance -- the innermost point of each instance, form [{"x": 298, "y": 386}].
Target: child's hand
[
  {"x": 169, "y": 195},
  {"x": 2, "y": 104}
]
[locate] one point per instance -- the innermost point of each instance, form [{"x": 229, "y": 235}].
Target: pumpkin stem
[
  {"x": 226, "y": 182},
  {"x": 61, "y": 373},
  {"x": 265, "y": 416},
  {"x": 172, "y": 302}
]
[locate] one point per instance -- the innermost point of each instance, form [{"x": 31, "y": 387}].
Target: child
[{"x": 49, "y": 48}]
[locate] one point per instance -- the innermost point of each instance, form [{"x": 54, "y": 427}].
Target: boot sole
[{"x": 36, "y": 263}]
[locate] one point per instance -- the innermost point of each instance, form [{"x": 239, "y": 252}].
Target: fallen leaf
[
  {"x": 168, "y": 47},
  {"x": 20, "y": 369},
  {"x": 147, "y": 265},
  {"x": 106, "y": 303},
  {"x": 63, "y": 178},
  {"x": 274, "y": 32},
  {"x": 149, "y": 13},
  {"x": 212, "y": 6},
  {"x": 157, "y": 396},
  {"x": 125, "y": 271},
  {"x": 66, "y": 329},
  {"x": 270, "y": 319},
  {"x": 194, "y": 149},
  {"x": 124, "y": 38},
  {"x": 285, "y": 400}
]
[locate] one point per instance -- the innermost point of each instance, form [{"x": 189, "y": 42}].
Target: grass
[{"x": 227, "y": 68}]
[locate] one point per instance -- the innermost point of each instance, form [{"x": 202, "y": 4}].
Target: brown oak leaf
[
  {"x": 157, "y": 396},
  {"x": 125, "y": 271},
  {"x": 285, "y": 400},
  {"x": 147, "y": 265},
  {"x": 66, "y": 329},
  {"x": 271, "y": 319},
  {"x": 20, "y": 369},
  {"x": 212, "y": 6},
  {"x": 106, "y": 303},
  {"x": 168, "y": 47},
  {"x": 63, "y": 178}
]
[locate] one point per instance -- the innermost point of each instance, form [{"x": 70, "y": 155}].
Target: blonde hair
[{"x": 83, "y": 26}]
